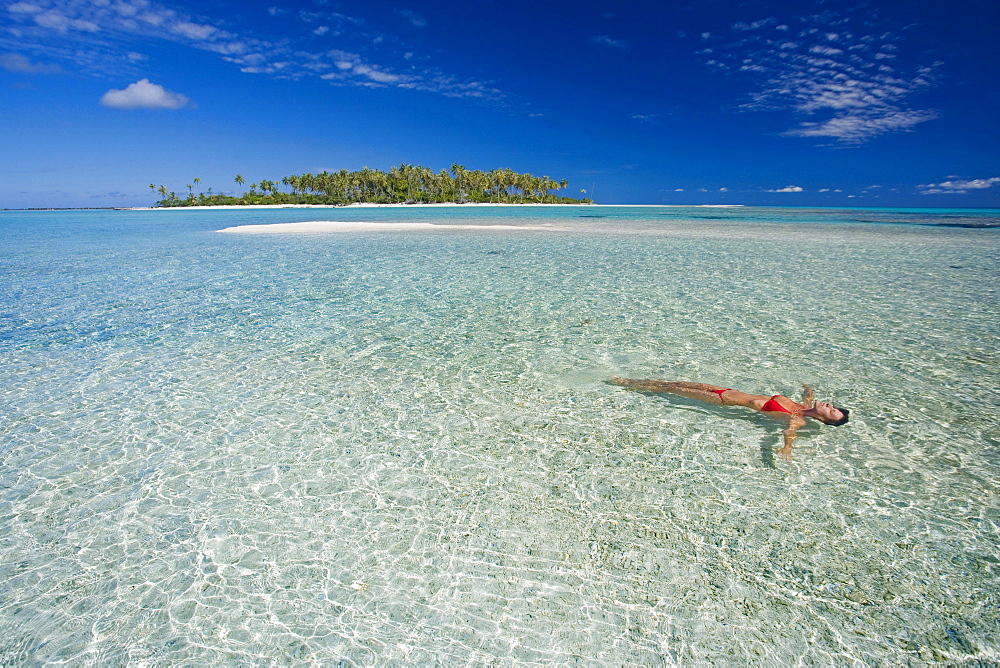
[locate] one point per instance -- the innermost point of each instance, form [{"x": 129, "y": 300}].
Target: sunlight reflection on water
[{"x": 401, "y": 447}]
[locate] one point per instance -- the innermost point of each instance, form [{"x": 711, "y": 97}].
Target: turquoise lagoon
[{"x": 398, "y": 446}]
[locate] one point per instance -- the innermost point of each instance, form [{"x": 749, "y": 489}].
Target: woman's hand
[
  {"x": 808, "y": 396},
  {"x": 790, "y": 433}
]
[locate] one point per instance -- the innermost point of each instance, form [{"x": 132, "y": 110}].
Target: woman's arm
[
  {"x": 808, "y": 396},
  {"x": 789, "y": 434}
]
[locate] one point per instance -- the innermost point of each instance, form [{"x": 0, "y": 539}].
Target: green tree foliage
[{"x": 404, "y": 184}]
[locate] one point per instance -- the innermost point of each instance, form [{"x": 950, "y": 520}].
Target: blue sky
[{"x": 717, "y": 101}]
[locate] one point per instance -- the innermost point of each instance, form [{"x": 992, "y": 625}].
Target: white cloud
[
  {"x": 958, "y": 187},
  {"x": 144, "y": 95},
  {"x": 788, "y": 189},
  {"x": 605, "y": 40}
]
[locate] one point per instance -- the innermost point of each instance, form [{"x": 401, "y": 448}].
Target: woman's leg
[{"x": 700, "y": 391}]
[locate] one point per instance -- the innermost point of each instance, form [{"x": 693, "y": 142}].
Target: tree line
[{"x": 405, "y": 184}]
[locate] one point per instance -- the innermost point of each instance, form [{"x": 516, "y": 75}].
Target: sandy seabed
[{"x": 317, "y": 226}]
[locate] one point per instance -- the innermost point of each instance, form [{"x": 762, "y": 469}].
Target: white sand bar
[{"x": 324, "y": 226}]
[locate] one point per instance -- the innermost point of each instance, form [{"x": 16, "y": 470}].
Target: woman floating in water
[{"x": 778, "y": 407}]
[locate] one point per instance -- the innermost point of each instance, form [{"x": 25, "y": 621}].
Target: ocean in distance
[{"x": 398, "y": 445}]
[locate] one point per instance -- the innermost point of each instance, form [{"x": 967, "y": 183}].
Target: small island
[{"x": 405, "y": 184}]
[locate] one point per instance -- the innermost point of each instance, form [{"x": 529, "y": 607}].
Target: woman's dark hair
[{"x": 842, "y": 420}]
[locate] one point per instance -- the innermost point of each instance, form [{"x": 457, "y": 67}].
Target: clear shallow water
[{"x": 390, "y": 447}]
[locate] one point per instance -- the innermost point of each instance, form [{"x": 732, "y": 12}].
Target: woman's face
[{"x": 827, "y": 412}]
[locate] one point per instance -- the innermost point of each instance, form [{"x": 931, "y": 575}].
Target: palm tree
[
  {"x": 407, "y": 171},
  {"x": 459, "y": 171},
  {"x": 479, "y": 183},
  {"x": 240, "y": 180}
]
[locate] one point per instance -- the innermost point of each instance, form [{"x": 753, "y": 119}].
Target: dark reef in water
[
  {"x": 973, "y": 225},
  {"x": 969, "y": 222}
]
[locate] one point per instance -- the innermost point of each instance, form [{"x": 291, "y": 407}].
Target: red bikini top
[{"x": 772, "y": 406}]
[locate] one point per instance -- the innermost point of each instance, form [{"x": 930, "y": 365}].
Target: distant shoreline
[
  {"x": 361, "y": 205},
  {"x": 482, "y": 204},
  {"x": 358, "y": 205},
  {"x": 354, "y": 205},
  {"x": 365, "y": 205}
]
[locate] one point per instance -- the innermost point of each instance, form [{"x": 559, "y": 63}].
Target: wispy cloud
[
  {"x": 415, "y": 19},
  {"x": 144, "y": 95},
  {"x": 605, "y": 40},
  {"x": 740, "y": 27},
  {"x": 822, "y": 65},
  {"x": 863, "y": 124},
  {"x": 89, "y": 35},
  {"x": 958, "y": 186},
  {"x": 15, "y": 62},
  {"x": 788, "y": 189}
]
